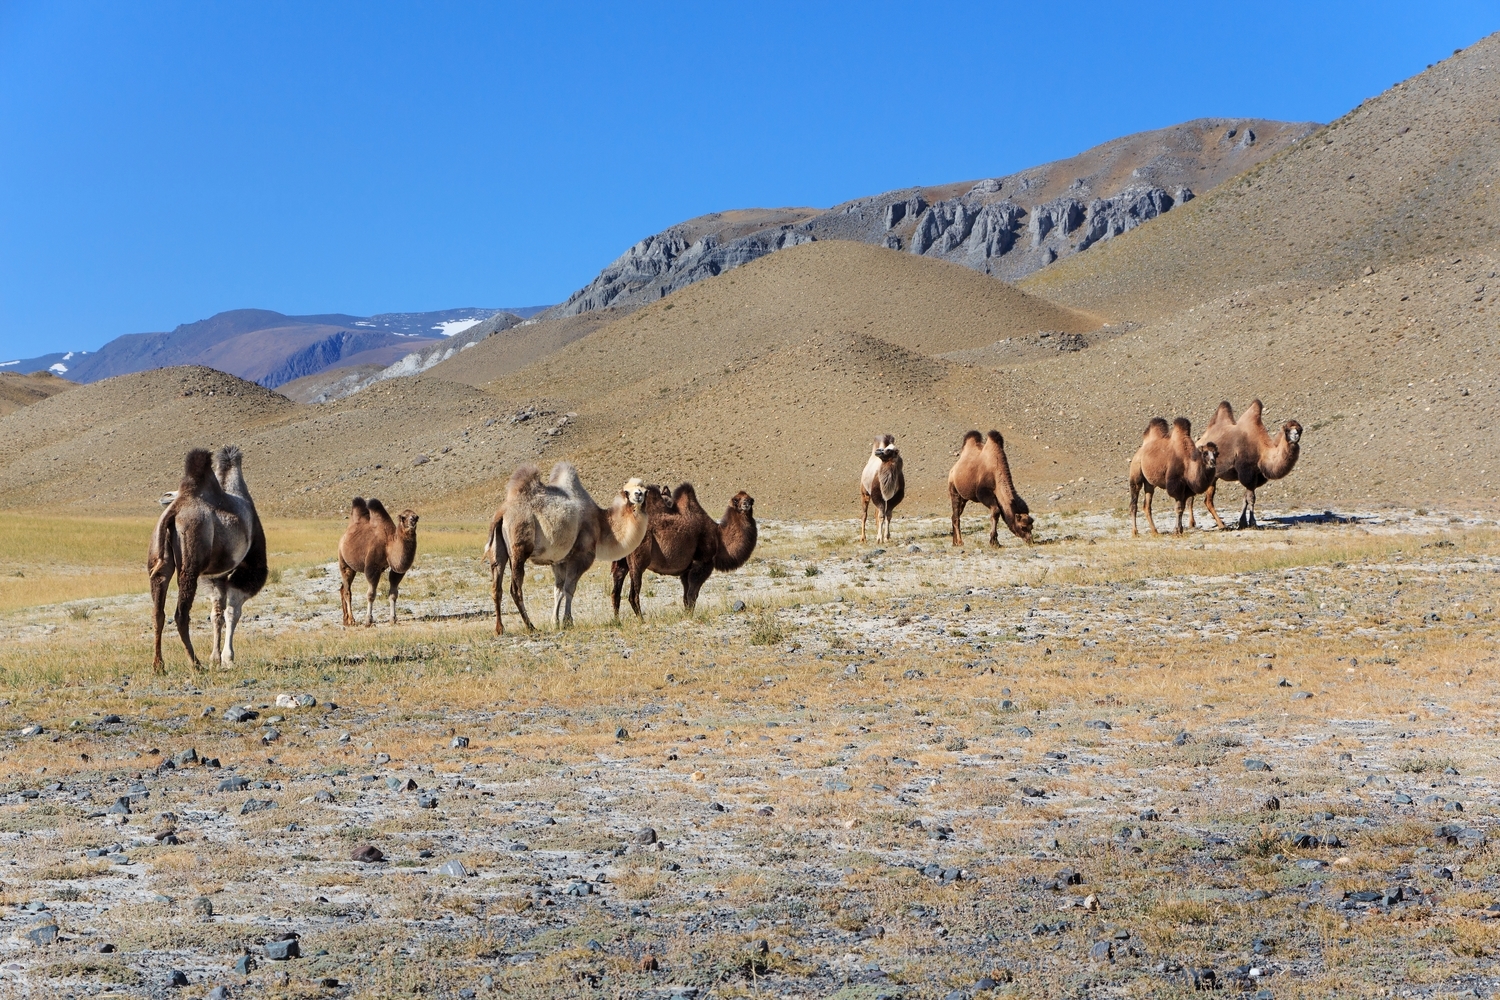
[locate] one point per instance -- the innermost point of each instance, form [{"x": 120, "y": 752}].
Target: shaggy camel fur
[
  {"x": 558, "y": 524},
  {"x": 251, "y": 574},
  {"x": 204, "y": 534},
  {"x": 1168, "y": 460},
  {"x": 1248, "y": 455},
  {"x": 372, "y": 545},
  {"x": 683, "y": 541},
  {"x": 982, "y": 475},
  {"x": 883, "y": 482}
]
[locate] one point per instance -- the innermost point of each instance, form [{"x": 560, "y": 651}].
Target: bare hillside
[
  {"x": 1408, "y": 174},
  {"x": 17, "y": 391}
]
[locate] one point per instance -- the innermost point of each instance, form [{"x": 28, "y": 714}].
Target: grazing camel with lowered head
[
  {"x": 884, "y": 482},
  {"x": 204, "y": 534},
  {"x": 1248, "y": 455},
  {"x": 557, "y": 523},
  {"x": 1168, "y": 460},
  {"x": 374, "y": 544},
  {"x": 683, "y": 541},
  {"x": 982, "y": 475}
]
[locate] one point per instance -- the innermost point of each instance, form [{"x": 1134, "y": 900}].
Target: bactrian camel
[
  {"x": 1168, "y": 460},
  {"x": 982, "y": 475},
  {"x": 204, "y": 534},
  {"x": 374, "y": 544},
  {"x": 251, "y": 574},
  {"x": 558, "y": 524},
  {"x": 1248, "y": 455},
  {"x": 682, "y": 540},
  {"x": 883, "y": 483}
]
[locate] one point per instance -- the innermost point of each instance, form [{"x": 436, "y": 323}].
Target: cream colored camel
[
  {"x": 250, "y": 575},
  {"x": 982, "y": 475},
  {"x": 204, "y": 534},
  {"x": 1248, "y": 455},
  {"x": 1168, "y": 460},
  {"x": 884, "y": 482}
]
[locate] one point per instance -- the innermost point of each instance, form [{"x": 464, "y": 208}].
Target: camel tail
[
  {"x": 358, "y": 510},
  {"x": 493, "y": 544},
  {"x": 197, "y": 472},
  {"x": 163, "y": 544}
]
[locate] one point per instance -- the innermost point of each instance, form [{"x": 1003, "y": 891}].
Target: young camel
[
  {"x": 982, "y": 475},
  {"x": 251, "y": 574},
  {"x": 683, "y": 541},
  {"x": 558, "y": 524},
  {"x": 1248, "y": 455},
  {"x": 204, "y": 534},
  {"x": 374, "y": 544},
  {"x": 1168, "y": 460},
  {"x": 884, "y": 482}
]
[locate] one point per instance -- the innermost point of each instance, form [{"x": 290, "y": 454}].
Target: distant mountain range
[{"x": 268, "y": 347}]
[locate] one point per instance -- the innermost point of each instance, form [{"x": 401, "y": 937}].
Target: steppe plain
[{"x": 1262, "y": 762}]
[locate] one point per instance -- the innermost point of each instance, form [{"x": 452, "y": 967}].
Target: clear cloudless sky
[{"x": 160, "y": 162}]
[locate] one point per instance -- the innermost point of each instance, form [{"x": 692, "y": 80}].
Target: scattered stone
[
  {"x": 33, "y": 731},
  {"x": 1251, "y": 764},
  {"x": 239, "y": 713},
  {"x": 737, "y": 606},
  {"x": 454, "y": 868},
  {"x": 367, "y": 854},
  {"x": 1102, "y": 951},
  {"x": 1033, "y": 793},
  {"x": 121, "y": 806},
  {"x": 459, "y": 743},
  {"x": 284, "y": 948},
  {"x": 323, "y": 796},
  {"x": 43, "y": 933},
  {"x": 1272, "y": 803},
  {"x": 176, "y": 979},
  {"x": 1097, "y": 724},
  {"x": 203, "y": 906},
  {"x": 622, "y": 733},
  {"x": 236, "y": 783},
  {"x": 256, "y": 805},
  {"x": 244, "y": 965},
  {"x": 646, "y": 835},
  {"x": 427, "y": 800}
]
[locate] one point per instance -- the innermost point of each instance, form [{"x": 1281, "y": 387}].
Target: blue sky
[{"x": 160, "y": 162}]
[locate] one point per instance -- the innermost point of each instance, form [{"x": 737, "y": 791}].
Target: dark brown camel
[
  {"x": 204, "y": 534},
  {"x": 683, "y": 541},
  {"x": 374, "y": 544}
]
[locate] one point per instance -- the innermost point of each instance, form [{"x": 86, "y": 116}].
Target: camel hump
[
  {"x": 526, "y": 479},
  {"x": 565, "y": 476},
  {"x": 1156, "y": 427},
  {"x": 197, "y": 472},
  {"x": 995, "y": 437},
  {"x": 1223, "y": 414},
  {"x": 1252, "y": 412},
  {"x": 972, "y": 437},
  {"x": 685, "y": 498},
  {"x": 1183, "y": 426},
  {"x": 358, "y": 511},
  {"x": 377, "y": 511},
  {"x": 227, "y": 459}
]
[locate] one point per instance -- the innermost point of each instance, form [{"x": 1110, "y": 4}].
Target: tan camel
[
  {"x": 250, "y": 575},
  {"x": 1168, "y": 460},
  {"x": 1248, "y": 455},
  {"x": 982, "y": 475},
  {"x": 204, "y": 534},
  {"x": 558, "y": 524},
  {"x": 374, "y": 544},
  {"x": 884, "y": 482},
  {"x": 683, "y": 541}
]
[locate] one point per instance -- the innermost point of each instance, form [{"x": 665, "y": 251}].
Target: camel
[
  {"x": 1247, "y": 455},
  {"x": 251, "y": 574},
  {"x": 374, "y": 544},
  {"x": 884, "y": 482},
  {"x": 683, "y": 541},
  {"x": 982, "y": 475},
  {"x": 1167, "y": 459},
  {"x": 204, "y": 534},
  {"x": 558, "y": 524}
]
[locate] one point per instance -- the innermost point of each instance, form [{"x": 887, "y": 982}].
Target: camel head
[
  {"x": 744, "y": 503},
  {"x": 1021, "y": 525},
  {"x": 1209, "y": 455},
  {"x": 1292, "y": 430},
  {"x": 634, "y": 492},
  {"x": 885, "y": 447},
  {"x": 407, "y": 522}
]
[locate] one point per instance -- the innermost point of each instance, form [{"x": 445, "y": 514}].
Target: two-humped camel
[
  {"x": 884, "y": 483},
  {"x": 557, "y": 524},
  {"x": 374, "y": 544},
  {"x": 1248, "y": 455},
  {"x": 206, "y": 533},
  {"x": 982, "y": 475},
  {"x": 1168, "y": 460},
  {"x": 682, "y": 540}
]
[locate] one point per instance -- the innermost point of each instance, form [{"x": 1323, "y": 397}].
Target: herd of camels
[{"x": 210, "y": 530}]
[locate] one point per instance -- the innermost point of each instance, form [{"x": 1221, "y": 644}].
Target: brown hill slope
[
  {"x": 1406, "y": 175},
  {"x": 514, "y": 349},
  {"x": 17, "y": 391}
]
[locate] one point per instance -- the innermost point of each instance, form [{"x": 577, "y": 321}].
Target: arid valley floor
[{"x": 1095, "y": 766}]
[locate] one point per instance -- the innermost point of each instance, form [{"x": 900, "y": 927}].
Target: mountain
[
  {"x": 1008, "y": 226},
  {"x": 271, "y": 348}
]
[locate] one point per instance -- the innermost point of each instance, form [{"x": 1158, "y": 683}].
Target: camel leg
[
  {"x": 883, "y": 524},
  {"x": 1135, "y": 496},
  {"x": 518, "y": 557},
  {"x": 234, "y": 607},
  {"x": 395, "y": 589},
  {"x": 1192, "y": 503},
  {"x": 1208, "y": 501},
  {"x": 958, "y": 512},
  {"x": 216, "y": 594},
  {"x": 637, "y": 571},
  {"x": 692, "y": 582},
  {"x": 346, "y": 590},
  {"x": 160, "y": 581},
  {"x": 564, "y": 584},
  {"x": 1245, "y": 512},
  {"x": 1250, "y": 506},
  {"x": 187, "y": 590},
  {"x": 865, "y": 517},
  {"x": 618, "y": 570},
  {"x": 1180, "y": 505},
  {"x": 374, "y": 582},
  {"x": 995, "y": 526},
  {"x": 497, "y": 582},
  {"x": 1150, "y": 518}
]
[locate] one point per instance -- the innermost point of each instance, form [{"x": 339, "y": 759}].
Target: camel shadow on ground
[{"x": 1327, "y": 517}]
